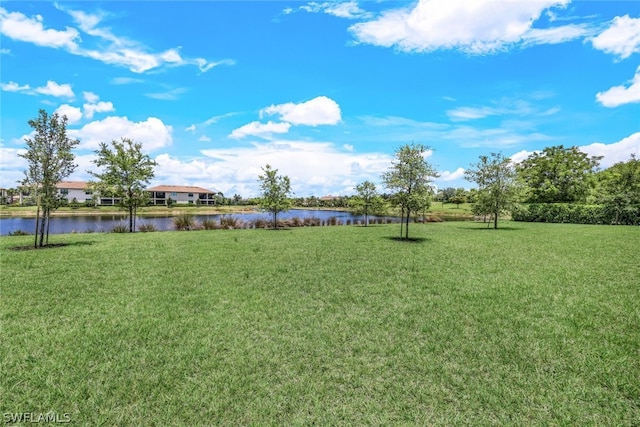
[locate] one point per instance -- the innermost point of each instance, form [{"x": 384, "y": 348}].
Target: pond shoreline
[{"x": 29, "y": 212}]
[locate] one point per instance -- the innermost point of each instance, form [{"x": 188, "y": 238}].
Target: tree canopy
[
  {"x": 367, "y": 201},
  {"x": 409, "y": 178},
  {"x": 276, "y": 192},
  {"x": 50, "y": 160},
  {"x": 558, "y": 175},
  {"x": 495, "y": 176},
  {"x": 125, "y": 173}
]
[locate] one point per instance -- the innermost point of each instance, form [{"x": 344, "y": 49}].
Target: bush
[
  {"x": 184, "y": 223},
  {"x": 147, "y": 228},
  {"x": 574, "y": 214},
  {"x": 260, "y": 223},
  {"x": 296, "y": 222},
  {"x": 209, "y": 224},
  {"x": 120, "y": 228},
  {"x": 19, "y": 233},
  {"x": 312, "y": 222},
  {"x": 230, "y": 222}
]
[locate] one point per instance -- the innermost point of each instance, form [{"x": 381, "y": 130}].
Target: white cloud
[
  {"x": 204, "y": 138},
  {"x": 74, "y": 114},
  {"x": 263, "y": 130},
  {"x": 317, "y": 111},
  {"x": 556, "y": 35},
  {"x": 470, "y": 113},
  {"x": 100, "y": 107},
  {"x": 473, "y": 26},
  {"x": 314, "y": 167},
  {"x": 17, "y": 26},
  {"x": 170, "y": 95},
  {"x": 620, "y": 95},
  {"x": 521, "y": 155},
  {"x": 54, "y": 89},
  {"x": 622, "y": 38},
  {"x": 12, "y": 166},
  {"x": 90, "y": 97},
  {"x": 14, "y": 87},
  {"x": 348, "y": 9},
  {"x": 451, "y": 176},
  {"x": 191, "y": 128},
  {"x": 616, "y": 152},
  {"x": 125, "y": 80},
  {"x": 151, "y": 133},
  {"x": 115, "y": 50}
]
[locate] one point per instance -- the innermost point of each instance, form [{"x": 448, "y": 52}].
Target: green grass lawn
[{"x": 531, "y": 324}]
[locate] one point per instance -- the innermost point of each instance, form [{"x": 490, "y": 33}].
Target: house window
[
  {"x": 190, "y": 194},
  {"x": 174, "y": 194},
  {"x": 64, "y": 191},
  {"x": 88, "y": 192},
  {"x": 190, "y": 202}
]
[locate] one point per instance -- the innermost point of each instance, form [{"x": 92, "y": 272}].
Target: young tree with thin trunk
[
  {"x": 125, "y": 173},
  {"x": 410, "y": 179},
  {"x": 276, "y": 193},
  {"x": 498, "y": 190},
  {"x": 367, "y": 201},
  {"x": 50, "y": 160}
]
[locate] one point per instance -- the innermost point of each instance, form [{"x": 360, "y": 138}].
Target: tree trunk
[
  {"x": 42, "y": 225},
  {"x": 495, "y": 220},
  {"x": 48, "y": 223},
  {"x": 406, "y": 228},
  {"x": 130, "y": 219},
  {"x": 35, "y": 233},
  {"x": 275, "y": 220},
  {"x": 401, "y": 221}
]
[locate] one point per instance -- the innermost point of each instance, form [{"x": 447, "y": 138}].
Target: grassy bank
[{"x": 532, "y": 324}]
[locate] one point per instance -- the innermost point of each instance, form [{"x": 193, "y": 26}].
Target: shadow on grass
[
  {"x": 409, "y": 240},
  {"x": 50, "y": 246},
  {"x": 484, "y": 227}
]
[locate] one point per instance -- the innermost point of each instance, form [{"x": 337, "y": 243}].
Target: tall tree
[
  {"x": 619, "y": 190},
  {"x": 409, "y": 178},
  {"x": 50, "y": 160},
  {"x": 276, "y": 192},
  {"x": 558, "y": 174},
  {"x": 125, "y": 173},
  {"x": 497, "y": 192}
]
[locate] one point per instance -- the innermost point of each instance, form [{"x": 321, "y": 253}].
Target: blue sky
[{"x": 323, "y": 91}]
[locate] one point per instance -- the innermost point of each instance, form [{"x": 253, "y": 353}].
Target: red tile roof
[
  {"x": 180, "y": 189},
  {"x": 72, "y": 185}
]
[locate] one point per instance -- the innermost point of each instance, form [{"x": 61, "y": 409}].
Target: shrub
[
  {"x": 230, "y": 222},
  {"x": 147, "y": 228},
  {"x": 296, "y": 222},
  {"x": 260, "y": 223},
  {"x": 120, "y": 228},
  {"x": 19, "y": 233},
  {"x": 574, "y": 213},
  {"x": 312, "y": 222},
  {"x": 209, "y": 224},
  {"x": 184, "y": 223}
]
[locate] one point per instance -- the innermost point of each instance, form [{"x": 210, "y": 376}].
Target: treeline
[{"x": 565, "y": 185}]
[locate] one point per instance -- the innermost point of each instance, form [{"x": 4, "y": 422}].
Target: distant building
[
  {"x": 77, "y": 190},
  {"x": 181, "y": 194}
]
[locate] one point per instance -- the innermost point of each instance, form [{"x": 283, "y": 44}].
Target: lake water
[{"x": 105, "y": 223}]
